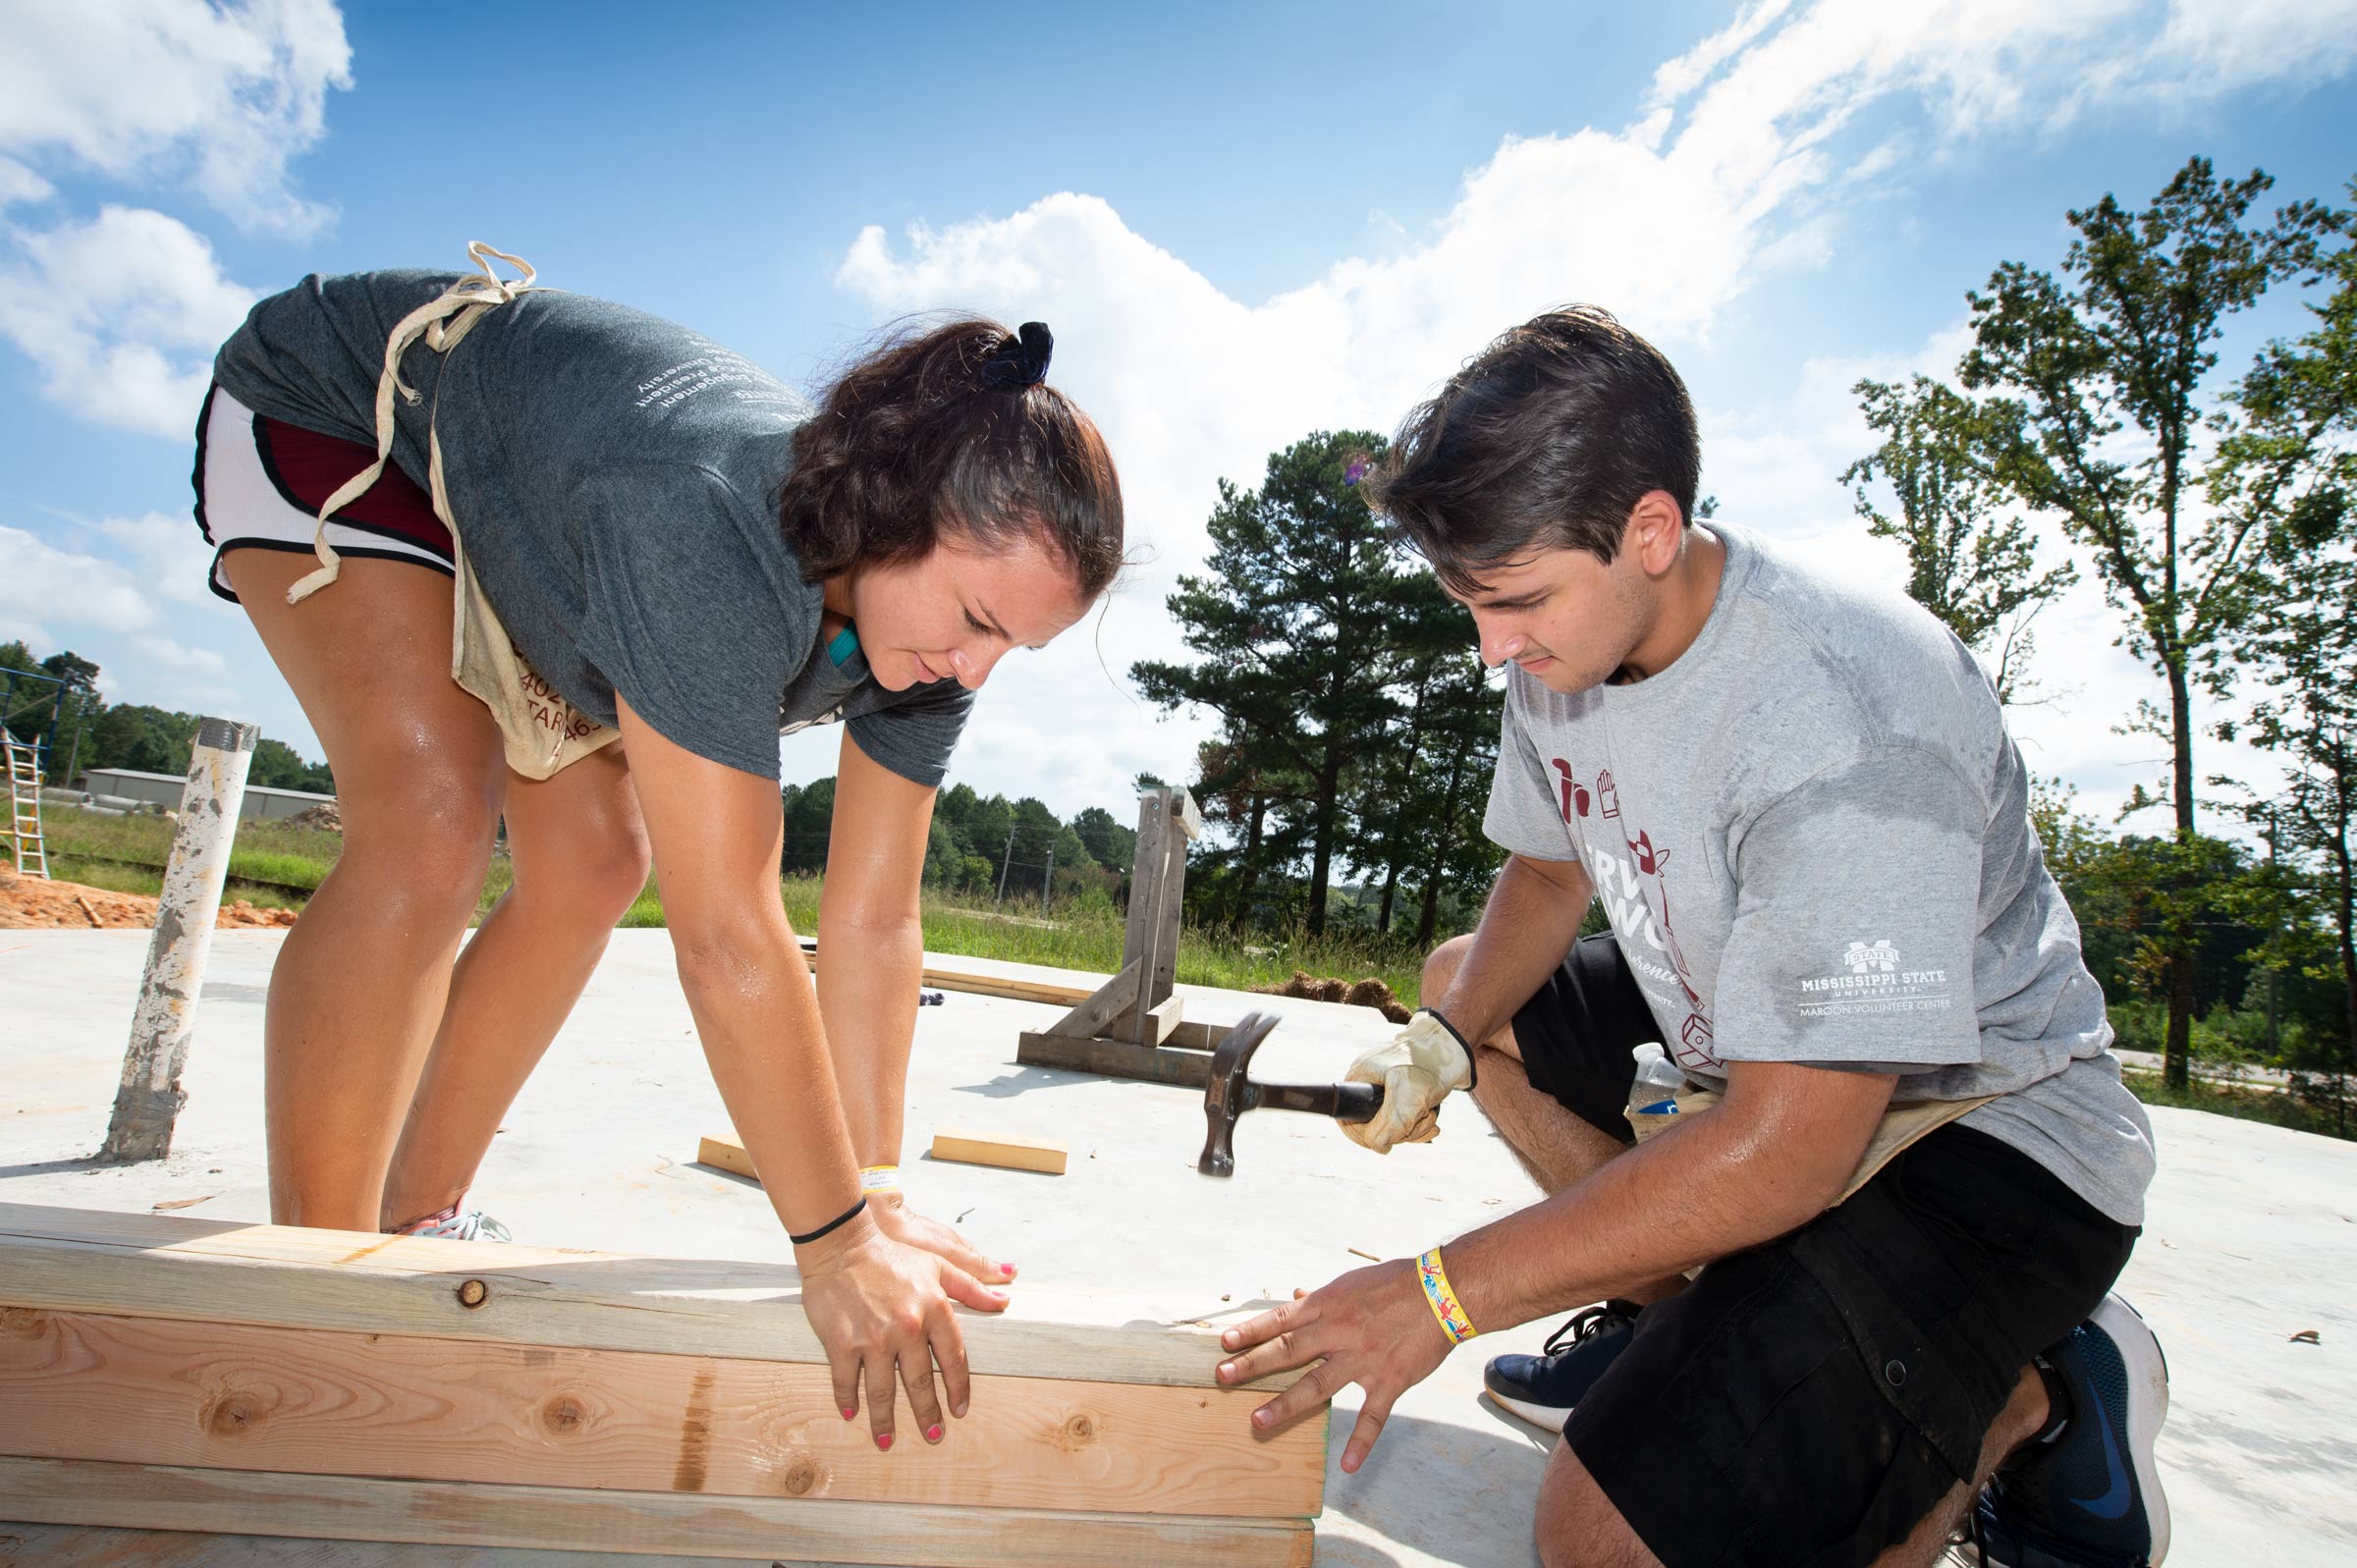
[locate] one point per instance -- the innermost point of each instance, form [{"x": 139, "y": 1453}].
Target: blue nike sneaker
[
  {"x": 2088, "y": 1496},
  {"x": 1542, "y": 1389}
]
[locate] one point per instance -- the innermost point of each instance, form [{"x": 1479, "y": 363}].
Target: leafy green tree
[
  {"x": 1969, "y": 562},
  {"x": 1290, "y": 624},
  {"x": 2289, "y": 467},
  {"x": 809, "y": 811},
  {"x": 1108, "y": 841},
  {"x": 2096, "y": 379}
]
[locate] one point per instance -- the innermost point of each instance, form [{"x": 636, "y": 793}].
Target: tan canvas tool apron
[
  {"x": 1903, "y": 1124},
  {"x": 543, "y": 732}
]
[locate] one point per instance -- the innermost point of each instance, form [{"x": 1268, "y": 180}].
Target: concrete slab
[{"x": 2253, "y": 1236}]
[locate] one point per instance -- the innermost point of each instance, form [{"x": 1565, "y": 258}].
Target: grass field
[
  {"x": 2246, "y": 1105},
  {"x": 121, "y": 853}
]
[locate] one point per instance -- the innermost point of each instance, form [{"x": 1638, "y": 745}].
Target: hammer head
[{"x": 1228, "y": 1095}]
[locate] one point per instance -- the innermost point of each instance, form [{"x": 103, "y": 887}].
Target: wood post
[
  {"x": 1130, "y": 1027},
  {"x": 147, "y": 1102}
]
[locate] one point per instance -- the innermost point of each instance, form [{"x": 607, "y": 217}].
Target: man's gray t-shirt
[
  {"x": 614, "y": 478},
  {"x": 1811, "y": 835}
]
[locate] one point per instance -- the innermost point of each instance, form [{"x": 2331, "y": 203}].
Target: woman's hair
[{"x": 950, "y": 430}]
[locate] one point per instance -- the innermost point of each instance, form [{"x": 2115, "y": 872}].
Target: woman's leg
[
  {"x": 581, "y": 857},
  {"x": 419, "y": 772}
]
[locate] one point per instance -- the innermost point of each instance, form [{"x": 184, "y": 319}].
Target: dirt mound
[
  {"x": 327, "y": 816},
  {"x": 1367, "y": 993},
  {"x": 27, "y": 903}
]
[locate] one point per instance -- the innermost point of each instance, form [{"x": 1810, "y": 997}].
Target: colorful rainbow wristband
[
  {"x": 1443, "y": 1300},
  {"x": 878, "y": 1179}
]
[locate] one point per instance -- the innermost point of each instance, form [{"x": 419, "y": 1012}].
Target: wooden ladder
[{"x": 24, "y": 807}]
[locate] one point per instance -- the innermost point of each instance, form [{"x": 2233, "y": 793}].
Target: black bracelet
[
  {"x": 830, "y": 1227},
  {"x": 1472, "y": 1072}
]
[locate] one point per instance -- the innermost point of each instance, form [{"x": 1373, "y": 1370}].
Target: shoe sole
[
  {"x": 1547, "y": 1418},
  {"x": 2148, "y": 1406}
]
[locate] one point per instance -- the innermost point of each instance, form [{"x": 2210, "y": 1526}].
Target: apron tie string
[{"x": 443, "y": 322}]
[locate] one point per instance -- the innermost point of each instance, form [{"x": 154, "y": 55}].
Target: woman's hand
[
  {"x": 882, "y": 1309},
  {"x": 905, "y": 1226}
]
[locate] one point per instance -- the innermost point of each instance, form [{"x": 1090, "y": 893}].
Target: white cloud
[
  {"x": 122, "y": 314},
  {"x": 19, "y": 184},
  {"x": 43, "y": 587},
  {"x": 215, "y": 97},
  {"x": 1738, "y": 168}
]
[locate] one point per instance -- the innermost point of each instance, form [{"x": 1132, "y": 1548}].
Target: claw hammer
[{"x": 1231, "y": 1093}]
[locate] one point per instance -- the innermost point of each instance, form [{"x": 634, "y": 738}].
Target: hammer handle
[{"x": 1343, "y": 1102}]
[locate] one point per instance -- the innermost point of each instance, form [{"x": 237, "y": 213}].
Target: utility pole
[
  {"x": 1046, "y": 877},
  {"x": 1005, "y": 862}
]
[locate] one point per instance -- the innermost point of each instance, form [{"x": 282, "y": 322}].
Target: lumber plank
[
  {"x": 1044, "y": 1154},
  {"x": 726, "y": 1154},
  {"x": 582, "y": 1519},
  {"x": 234, "y": 1396},
  {"x": 75, "y": 1260},
  {"x": 1109, "y": 1000},
  {"x": 1115, "y": 1058}
]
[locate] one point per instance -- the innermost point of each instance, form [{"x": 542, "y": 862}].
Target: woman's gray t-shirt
[{"x": 613, "y": 476}]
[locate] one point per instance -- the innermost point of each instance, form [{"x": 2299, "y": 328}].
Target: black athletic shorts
[{"x": 1809, "y": 1401}]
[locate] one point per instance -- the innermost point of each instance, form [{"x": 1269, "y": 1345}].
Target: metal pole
[
  {"x": 1006, "y": 860},
  {"x": 1045, "y": 881},
  {"x": 150, "y": 1099}
]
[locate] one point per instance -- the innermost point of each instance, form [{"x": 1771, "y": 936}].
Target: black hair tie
[{"x": 1021, "y": 361}]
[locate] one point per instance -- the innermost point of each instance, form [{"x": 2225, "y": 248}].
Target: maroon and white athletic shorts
[{"x": 259, "y": 482}]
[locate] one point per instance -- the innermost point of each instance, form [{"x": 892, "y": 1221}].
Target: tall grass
[{"x": 1087, "y": 935}]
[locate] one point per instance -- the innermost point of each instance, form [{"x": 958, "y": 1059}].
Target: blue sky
[{"x": 1244, "y": 222}]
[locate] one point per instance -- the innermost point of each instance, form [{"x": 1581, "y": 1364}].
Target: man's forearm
[
  {"x": 1773, "y": 1156},
  {"x": 868, "y": 975},
  {"x": 1531, "y": 920}
]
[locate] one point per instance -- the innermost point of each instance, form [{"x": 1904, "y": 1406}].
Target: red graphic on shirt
[
  {"x": 1574, "y": 797},
  {"x": 1628, "y": 905}
]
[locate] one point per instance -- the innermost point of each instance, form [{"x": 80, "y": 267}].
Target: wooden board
[
  {"x": 726, "y": 1154},
  {"x": 233, "y": 1396},
  {"x": 1117, "y": 1059},
  {"x": 72, "y": 1260},
  {"x": 1044, "y": 1154},
  {"x": 582, "y": 1518}
]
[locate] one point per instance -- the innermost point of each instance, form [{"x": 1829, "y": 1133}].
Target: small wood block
[
  {"x": 1007, "y": 1153},
  {"x": 1162, "y": 1020},
  {"x": 726, "y": 1154}
]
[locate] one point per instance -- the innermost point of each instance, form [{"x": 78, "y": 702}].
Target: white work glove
[{"x": 1418, "y": 1068}]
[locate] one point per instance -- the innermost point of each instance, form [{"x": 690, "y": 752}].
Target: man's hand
[
  {"x": 906, "y": 1226},
  {"x": 1417, "y": 1067},
  {"x": 1372, "y": 1328}
]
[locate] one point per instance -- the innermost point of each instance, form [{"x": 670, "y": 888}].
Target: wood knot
[
  {"x": 235, "y": 1413},
  {"x": 563, "y": 1416},
  {"x": 23, "y": 1322},
  {"x": 1079, "y": 1427},
  {"x": 803, "y": 1477},
  {"x": 474, "y": 1293}
]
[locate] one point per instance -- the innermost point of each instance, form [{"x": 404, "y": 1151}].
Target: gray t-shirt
[
  {"x": 614, "y": 477},
  {"x": 1811, "y": 835}
]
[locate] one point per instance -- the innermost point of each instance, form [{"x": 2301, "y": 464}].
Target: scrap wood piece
[
  {"x": 582, "y": 1519},
  {"x": 211, "y": 1271},
  {"x": 1007, "y": 1152},
  {"x": 726, "y": 1154},
  {"x": 234, "y": 1396}
]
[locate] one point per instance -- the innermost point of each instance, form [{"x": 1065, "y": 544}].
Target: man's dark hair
[
  {"x": 924, "y": 437},
  {"x": 1546, "y": 441}
]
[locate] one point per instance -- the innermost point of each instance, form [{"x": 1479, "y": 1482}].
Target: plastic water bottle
[{"x": 1657, "y": 1081}]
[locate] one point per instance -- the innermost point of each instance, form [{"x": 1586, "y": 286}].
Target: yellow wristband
[
  {"x": 879, "y": 1178},
  {"x": 1443, "y": 1300}
]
